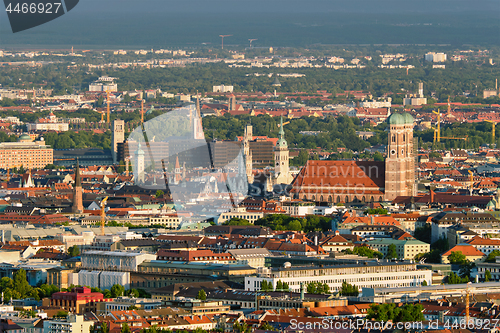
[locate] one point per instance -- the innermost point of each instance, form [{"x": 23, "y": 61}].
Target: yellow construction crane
[
  {"x": 468, "y": 291},
  {"x": 493, "y": 124},
  {"x": 142, "y": 111},
  {"x": 103, "y": 214},
  {"x": 107, "y": 95},
  {"x": 279, "y": 125},
  {"x": 471, "y": 181},
  {"x": 438, "y": 136}
]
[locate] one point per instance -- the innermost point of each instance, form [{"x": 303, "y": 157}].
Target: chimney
[
  {"x": 315, "y": 240},
  {"x": 432, "y": 196}
]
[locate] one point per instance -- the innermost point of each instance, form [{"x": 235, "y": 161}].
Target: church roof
[
  {"x": 365, "y": 176},
  {"x": 396, "y": 119}
]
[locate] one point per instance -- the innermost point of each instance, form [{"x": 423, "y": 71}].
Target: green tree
[
  {"x": 456, "y": 257},
  {"x": 134, "y": 293},
  {"x": 378, "y": 157},
  {"x": 376, "y": 211},
  {"x": 266, "y": 286},
  {"x": 487, "y": 276},
  {"x": 267, "y": 327},
  {"x": 74, "y": 251},
  {"x": 21, "y": 284},
  {"x": 6, "y": 282},
  {"x": 389, "y": 311},
  {"x": 125, "y": 328},
  {"x": 237, "y": 221},
  {"x": 61, "y": 314},
  {"x": 202, "y": 295},
  {"x": 279, "y": 285},
  {"x": 424, "y": 283},
  {"x": 104, "y": 328},
  {"x": 117, "y": 290},
  {"x": 314, "y": 287},
  {"x": 392, "y": 252},
  {"x": 159, "y": 194},
  {"x": 493, "y": 254},
  {"x": 454, "y": 278},
  {"x": 348, "y": 289}
]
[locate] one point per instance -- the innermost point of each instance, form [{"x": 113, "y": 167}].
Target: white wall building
[
  {"x": 99, "y": 86},
  {"x": 435, "y": 57},
  {"x": 371, "y": 275},
  {"x": 72, "y": 324},
  {"x": 119, "y": 260},
  {"x": 240, "y": 212},
  {"x": 222, "y": 88}
]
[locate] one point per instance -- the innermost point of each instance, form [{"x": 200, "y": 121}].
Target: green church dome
[
  {"x": 396, "y": 119},
  {"x": 408, "y": 118}
]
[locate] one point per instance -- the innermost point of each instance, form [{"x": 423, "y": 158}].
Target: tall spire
[
  {"x": 282, "y": 133},
  {"x": 78, "y": 179},
  {"x": 77, "y": 191}
]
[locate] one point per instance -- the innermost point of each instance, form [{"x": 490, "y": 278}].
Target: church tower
[
  {"x": 400, "y": 161},
  {"x": 117, "y": 136},
  {"x": 139, "y": 165},
  {"x": 177, "y": 171},
  {"x": 77, "y": 191},
  {"x": 248, "y": 153},
  {"x": 281, "y": 162}
]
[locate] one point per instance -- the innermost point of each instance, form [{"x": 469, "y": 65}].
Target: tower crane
[
  {"x": 468, "y": 291},
  {"x": 222, "y": 36},
  {"x": 471, "y": 180},
  {"x": 493, "y": 124},
  {"x": 103, "y": 214},
  {"x": 438, "y": 135},
  {"x": 437, "y": 131},
  {"x": 251, "y": 40},
  {"x": 142, "y": 111},
  {"x": 107, "y": 96}
]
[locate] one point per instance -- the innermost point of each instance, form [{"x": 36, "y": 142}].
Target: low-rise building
[
  {"x": 255, "y": 257},
  {"x": 469, "y": 251},
  {"x": 72, "y": 324},
  {"x": 80, "y": 300},
  {"x": 405, "y": 249},
  {"x": 368, "y": 274},
  {"x": 242, "y": 213}
]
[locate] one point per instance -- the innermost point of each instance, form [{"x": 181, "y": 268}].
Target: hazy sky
[{"x": 157, "y": 23}]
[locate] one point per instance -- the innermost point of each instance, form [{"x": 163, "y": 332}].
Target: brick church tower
[
  {"x": 77, "y": 191},
  {"x": 400, "y": 161}
]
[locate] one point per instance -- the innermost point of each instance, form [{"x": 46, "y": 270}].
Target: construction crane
[
  {"x": 251, "y": 40},
  {"x": 103, "y": 214},
  {"x": 279, "y": 125},
  {"x": 142, "y": 111},
  {"x": 471, "y": 181},
  {"x": 449, "y": 107},
  {"x": 107, "y": 95},
  {"x": 468, "y": 291},
  {"x": 222, "y": 36},
  {"x": 492, "y": 130},
  {"x": 438, "y": 136}
]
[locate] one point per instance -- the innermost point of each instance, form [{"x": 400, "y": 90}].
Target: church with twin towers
[{"x": 328, "y": 181}]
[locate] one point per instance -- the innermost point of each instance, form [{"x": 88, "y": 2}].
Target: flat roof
[
  {"x": 443, "y": 287},
  {"x": 348, "y": 265}
]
